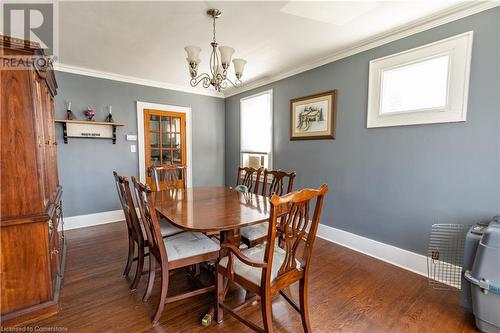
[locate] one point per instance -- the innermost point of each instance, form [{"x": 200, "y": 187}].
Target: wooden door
[{"x": 165, "y": 141}]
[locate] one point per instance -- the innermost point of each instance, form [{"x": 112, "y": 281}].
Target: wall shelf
[{"x": 89, "y": 129}]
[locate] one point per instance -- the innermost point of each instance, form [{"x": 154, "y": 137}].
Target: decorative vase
[{"x": 89, "y": 113}]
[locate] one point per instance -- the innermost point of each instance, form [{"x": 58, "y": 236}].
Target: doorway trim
[{"x": 140, "y": 136}]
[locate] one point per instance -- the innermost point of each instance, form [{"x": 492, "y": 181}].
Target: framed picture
[{"x": 313, "y": 117}]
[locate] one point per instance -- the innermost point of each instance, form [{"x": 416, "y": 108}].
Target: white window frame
[
  {"x": 459, "y": 49},
  {"x": 270, "y": 156}
]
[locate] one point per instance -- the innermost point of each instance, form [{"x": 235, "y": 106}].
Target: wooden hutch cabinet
[{"x": 31, "y": 235}]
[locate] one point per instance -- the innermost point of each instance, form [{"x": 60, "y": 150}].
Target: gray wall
[
  {"x": 86, "y": 165},
  {"x": 392, "y": 184}
]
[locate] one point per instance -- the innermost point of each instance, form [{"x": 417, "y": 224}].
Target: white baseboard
[
  {"x": 82, "y": 221},
  {"x": 408, "y": 260}
]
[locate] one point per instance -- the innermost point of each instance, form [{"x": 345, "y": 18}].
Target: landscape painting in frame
[{"x": 313, "y": 117}]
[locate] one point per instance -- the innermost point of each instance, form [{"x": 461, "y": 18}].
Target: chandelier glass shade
[{"x": 220, "y": 60}]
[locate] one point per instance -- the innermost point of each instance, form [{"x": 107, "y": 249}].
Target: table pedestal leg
[{"x": 233, "y": 237}]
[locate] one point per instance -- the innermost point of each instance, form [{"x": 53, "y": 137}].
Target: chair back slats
[
  {"x": 291, "y": 232},
  {"x": 167, "y": 176},
  {"x": 293, "y": 226},
  {"x": 127, "y": 203},
  {"x": 149, "y": 220},
  {"x": 250, "y": 177},
  {"x": 281, "y": 182}
]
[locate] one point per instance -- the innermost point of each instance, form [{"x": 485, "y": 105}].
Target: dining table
[{"x": 212, "y": 210}]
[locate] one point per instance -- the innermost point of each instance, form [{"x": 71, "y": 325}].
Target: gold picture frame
[{"x": 313, "y": 117}]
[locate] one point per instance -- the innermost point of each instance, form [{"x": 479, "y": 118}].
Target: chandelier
[{"x": 220, "y": 60}]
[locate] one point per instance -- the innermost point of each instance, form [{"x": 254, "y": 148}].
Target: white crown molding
[
  {"x": 443, "y": 17},
  {"x": 135, "y": 80}
]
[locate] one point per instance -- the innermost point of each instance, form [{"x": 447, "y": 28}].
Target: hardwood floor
[{"x": 349, "y": 292}]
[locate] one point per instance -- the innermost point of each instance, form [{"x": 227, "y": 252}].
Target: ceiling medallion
[{"x": 220, "y": 60}]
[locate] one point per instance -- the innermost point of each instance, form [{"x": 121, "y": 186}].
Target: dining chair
[
  {"x": 284, "y": 259},
  {"x": 249, "y": 177},
  {"x": 275, "y": 182},
  {"x": 186, "y": 249},
  {"x": 136, "y": 233},
  {"x": 167, "y": 176}
]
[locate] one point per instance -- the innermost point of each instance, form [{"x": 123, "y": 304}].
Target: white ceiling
[{"x": 146, "y": 39}]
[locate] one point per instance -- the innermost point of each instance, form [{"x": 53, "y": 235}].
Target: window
[
  {"x": 428, "y": 84},
  {"x": 429, "y": 79},
  {"x": 256, "y": 130}
]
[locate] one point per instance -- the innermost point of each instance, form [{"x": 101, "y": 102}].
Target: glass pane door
[{"x": 165, "y": 140}]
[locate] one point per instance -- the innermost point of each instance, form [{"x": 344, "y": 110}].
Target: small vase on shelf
[{"x": 89, "y": 113}]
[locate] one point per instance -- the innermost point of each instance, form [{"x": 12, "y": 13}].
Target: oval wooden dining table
[{"x": 212, "y": 209}]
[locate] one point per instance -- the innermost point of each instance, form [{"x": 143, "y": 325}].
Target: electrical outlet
[{"x": 132, "y": 148}]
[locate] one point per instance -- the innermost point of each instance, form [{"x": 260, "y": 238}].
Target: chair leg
[
  {"x": 151, "y": 277},
  {"x": 131, "y": 248},
  {"x": 267, "y": 313},
  {"x": 219, "y": 290},
  {"x": 304, "y": 305},
  {"x": 163, "y": 295},
  {"x": 140, "y": 266}
]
